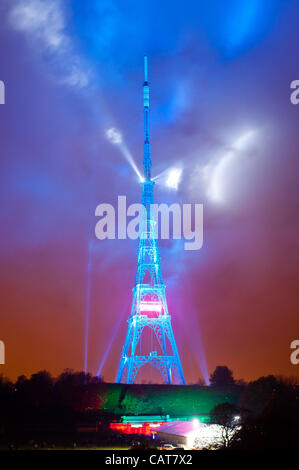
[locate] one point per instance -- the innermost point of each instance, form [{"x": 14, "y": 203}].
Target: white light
[
  {"x": 195, "y": 422},
  {"x": 207, "y": 435},
  {"x": 215, "y": 190},
  {"x": 236, "y": 418},
  {"x": 217, "y": 172},
  {"x": 242, "y": 141},
  {"x": 114, "y": 136},
  {"x": 126, "y": 153},
  {"x": 174, "y": 178},
  {"x": 150, "y": 307}
]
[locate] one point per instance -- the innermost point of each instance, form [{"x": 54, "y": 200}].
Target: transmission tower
[{"x": 149, "y": 310}]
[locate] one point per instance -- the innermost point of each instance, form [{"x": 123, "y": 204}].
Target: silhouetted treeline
[
  {"x": 41, "y": 407},
  {"x": 271, "y": 418},
  {"x": 45, "y": 406},
  {"x": 265, "y": 417}
]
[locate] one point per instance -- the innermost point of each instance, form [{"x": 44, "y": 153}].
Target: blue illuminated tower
[{"x": 149, "y": 312}]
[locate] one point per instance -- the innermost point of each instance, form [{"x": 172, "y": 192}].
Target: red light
[{"x": 134, "y": 428}]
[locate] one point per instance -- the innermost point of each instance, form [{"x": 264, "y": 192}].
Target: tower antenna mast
[
  {"x": 147, "y": 163},
  {"x": 149, "y": 311}
]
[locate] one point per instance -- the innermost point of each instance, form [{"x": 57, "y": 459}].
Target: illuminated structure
[{"x": 149, "y": 310}]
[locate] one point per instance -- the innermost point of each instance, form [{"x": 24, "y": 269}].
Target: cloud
[
  {"x": 44, "y": 24},
  {"x": 43, "y": 20},
  {"x": 114, "y": 136}
]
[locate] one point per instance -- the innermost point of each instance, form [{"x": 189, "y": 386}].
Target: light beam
[
  {"x": 87, "y": 304},
  {"x": 217, "y": 172},
  {"x": 115, "y": 137}
]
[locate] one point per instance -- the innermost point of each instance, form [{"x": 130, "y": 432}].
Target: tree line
[{"x": 263, "y": 413}]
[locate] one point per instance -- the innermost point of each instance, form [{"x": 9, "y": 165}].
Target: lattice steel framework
[{"x": 149, "y": 307}]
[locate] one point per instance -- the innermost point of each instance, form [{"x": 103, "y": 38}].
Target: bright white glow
[
  {"x": 195, "y": 422},
  {"x": 242, "y": 141},
  {"x": 114, "y": 136},
  {"x": 170, "y": 177},
  {"x": 215, "y": 190},
  {"x": 174, "y": 178},
  {"x": 236, "y": 418},
  {"x": 207, "y": 435},
  {"x": 150, "y": 307},
  {"x": 217, "y": 172}
]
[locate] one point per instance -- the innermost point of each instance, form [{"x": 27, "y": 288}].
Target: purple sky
[{"x": 72, "y": 70}]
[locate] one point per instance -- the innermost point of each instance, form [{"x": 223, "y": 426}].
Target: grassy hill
[{"x": 175, "y": 400}]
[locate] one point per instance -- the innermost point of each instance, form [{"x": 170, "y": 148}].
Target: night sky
[{"x": 218, "y": 71}]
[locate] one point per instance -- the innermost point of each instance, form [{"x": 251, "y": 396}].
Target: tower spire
[
  {"x": 150, "y": 338},
  {"x": 147, "y": 146}
]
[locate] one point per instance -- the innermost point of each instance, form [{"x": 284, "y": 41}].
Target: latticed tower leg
[{"x": 168, "y": 364}]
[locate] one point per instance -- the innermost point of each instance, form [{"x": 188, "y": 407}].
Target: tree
[
  {"x": 6, "y": 400},
  {"x": 201, "y": 382},
  {"x": 274, "y": 419},
  {"x": 135, "y": 402},
  {"x": 78, "y": 391},
  {"x": 36, "y": 391},
  {"x": 228, "y": 417},
  {"x": 260, "y": 393},
  {"x": 222, "y": 377}
]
